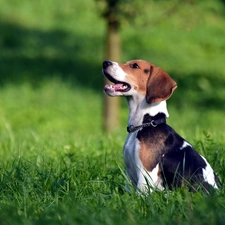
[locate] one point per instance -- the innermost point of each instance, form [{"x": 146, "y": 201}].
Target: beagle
[{"x": 155, "y": 156}]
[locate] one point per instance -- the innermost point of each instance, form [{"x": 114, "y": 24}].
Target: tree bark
[{"x": 112, "y": 104}]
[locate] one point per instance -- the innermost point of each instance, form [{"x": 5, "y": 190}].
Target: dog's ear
[{"x": 160, "y": 85}]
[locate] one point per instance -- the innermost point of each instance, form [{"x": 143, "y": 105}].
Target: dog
[{"x": 155, "y": 156}]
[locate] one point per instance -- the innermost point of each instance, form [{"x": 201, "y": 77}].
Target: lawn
[{"x": 57, "y": 166}]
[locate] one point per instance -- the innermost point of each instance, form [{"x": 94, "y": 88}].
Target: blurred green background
[{"x": 56, "y": 48}]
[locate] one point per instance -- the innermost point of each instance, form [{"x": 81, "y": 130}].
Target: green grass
[
  {"x": 55, "y": 170},
  {"x": 56, "y": 164}
]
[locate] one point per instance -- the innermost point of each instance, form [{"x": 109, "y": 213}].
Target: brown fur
[
  {"x": 150, "y": 154},
  {"x": 160, "y": 85},
  {"x": 137, "y": 77},
  {"x": 149, "y": 79}
]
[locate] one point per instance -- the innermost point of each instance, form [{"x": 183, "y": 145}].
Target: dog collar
[{"x": 152, "y": 123}]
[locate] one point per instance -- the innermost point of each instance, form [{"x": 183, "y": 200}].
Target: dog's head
[{"x": 138, "y": 77}]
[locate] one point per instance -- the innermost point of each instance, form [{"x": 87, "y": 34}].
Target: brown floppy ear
[{"x": 160, "y": 85}]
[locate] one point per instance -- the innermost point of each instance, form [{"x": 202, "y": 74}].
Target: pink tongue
[
  {"x": 115, "y": 87},
  {"x": 118, "y": 87}
]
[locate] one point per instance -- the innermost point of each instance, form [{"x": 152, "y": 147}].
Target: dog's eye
[{"x": 134, "y": 66}]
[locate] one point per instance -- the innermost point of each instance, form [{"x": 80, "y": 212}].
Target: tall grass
[{"x": 56, "y": 165}]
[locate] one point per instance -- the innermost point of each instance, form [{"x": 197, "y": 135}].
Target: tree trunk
[{"x": 112, "y": 104}]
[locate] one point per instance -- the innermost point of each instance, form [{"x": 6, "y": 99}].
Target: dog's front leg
[
  {"x": 149, "y": 181},
  {"x": 145, "y": 182}
]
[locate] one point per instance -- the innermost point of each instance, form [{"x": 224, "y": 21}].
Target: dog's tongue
[{"x": 115, "y": 87}]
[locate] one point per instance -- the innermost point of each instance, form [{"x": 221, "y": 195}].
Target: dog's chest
[{"x": 131, "y": 153}]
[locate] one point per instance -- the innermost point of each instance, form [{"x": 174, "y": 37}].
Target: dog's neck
[{"x": 138, "y": 107}]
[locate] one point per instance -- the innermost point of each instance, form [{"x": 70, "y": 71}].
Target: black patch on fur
[
  {"x": 147, "y": 118},
  {"x": 182, "y": 168},
  {"x": 179, "y": 166}
]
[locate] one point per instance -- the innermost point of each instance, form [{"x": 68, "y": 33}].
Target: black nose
[{"x": 106, "y": 63}]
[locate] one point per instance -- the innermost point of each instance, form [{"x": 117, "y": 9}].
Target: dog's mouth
[{"x": 117, "y": 86}]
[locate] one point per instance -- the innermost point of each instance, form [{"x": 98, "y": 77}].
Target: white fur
[
  {"x": 116, "y": 72},
  {"x": 136, "y": 111},
  {"x": 208, "y": 174},
  {"x": 129, "y": 152},
  {"x": 148, "y": 181},
  {"x": 144, "y": 180},
  {"x": 185, "y": 144}
]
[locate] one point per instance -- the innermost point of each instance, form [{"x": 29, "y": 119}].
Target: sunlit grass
[{"x": 57, "y": 162}]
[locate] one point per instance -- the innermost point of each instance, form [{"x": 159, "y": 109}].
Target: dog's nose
[{"x": 106, "y": 64}]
